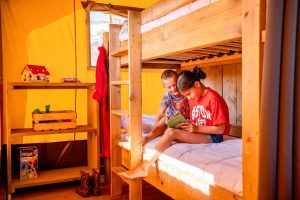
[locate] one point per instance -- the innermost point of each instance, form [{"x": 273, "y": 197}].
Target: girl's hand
[{"x": 189, "y": 126}]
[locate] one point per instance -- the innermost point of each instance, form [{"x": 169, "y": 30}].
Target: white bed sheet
[
  {"x": 123, "y": 35},
  {"x": 203, "y": 164},
  {"x": 217, "y": 164}
]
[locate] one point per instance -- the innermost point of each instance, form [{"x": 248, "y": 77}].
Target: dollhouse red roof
[{"x": 36, "y": 69}]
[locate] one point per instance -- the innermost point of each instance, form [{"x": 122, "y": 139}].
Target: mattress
[
  {"x": 198, "y": 165},
  {"x": 202, "y": 165},
  {"x": 180, "y": 12}
]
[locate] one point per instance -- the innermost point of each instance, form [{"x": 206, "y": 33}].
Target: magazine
[{"x": 175, "y": 120}]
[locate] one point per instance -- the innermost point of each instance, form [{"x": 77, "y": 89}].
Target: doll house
[{"x": 34, "y": 73}]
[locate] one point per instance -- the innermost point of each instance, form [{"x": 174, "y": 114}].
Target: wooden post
[
  {"x": 135, "y": 97},
  {"x": 115, "y": 104},
  {"x": 253, "y": 24}
]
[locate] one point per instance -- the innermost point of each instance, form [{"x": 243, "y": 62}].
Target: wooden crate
[{"x": 54, "y": 120}]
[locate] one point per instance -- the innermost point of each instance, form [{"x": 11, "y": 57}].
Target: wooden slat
[
  {"x": 30, "y": 131},
  {"x": 41, "y": 85},
  {"x": 122, "y": 82},
  {"x": 50, "y": 177},
  {"x": 120, "y": 51},
  {"x": 162, "y": 8},
  {"x": 229, "y": 90},
  {"x": 239, "y": 94},
  {"x": 154, "y": 65},
  {"x": 124, "y": 145},
  {"x": 223, "y": 60},
  {"x": 189, "y": 30},
  {"x": 119, "y": 112},
  {"x": 213, "y": 78},
  {"x": 134, "y": 185}
]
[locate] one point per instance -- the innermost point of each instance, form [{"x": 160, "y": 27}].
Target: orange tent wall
[{"x": 43, "y": 33}]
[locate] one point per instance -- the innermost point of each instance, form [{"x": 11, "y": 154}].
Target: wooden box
[{"x": 54, "y": 120}]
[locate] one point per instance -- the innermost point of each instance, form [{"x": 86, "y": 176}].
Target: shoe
[
  {"x": 84, "y": 188},
  {"x": 95, "y": 182}
]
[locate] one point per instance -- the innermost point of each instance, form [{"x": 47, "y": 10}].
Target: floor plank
[{"x": 66, "y": 191}]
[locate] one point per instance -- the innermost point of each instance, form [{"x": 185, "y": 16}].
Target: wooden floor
[{"x": 66, "y": 191}]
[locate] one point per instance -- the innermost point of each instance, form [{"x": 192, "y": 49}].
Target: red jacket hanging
[{"x": 101, "y": 95}]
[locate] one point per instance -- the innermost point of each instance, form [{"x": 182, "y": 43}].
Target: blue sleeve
[{"x": 165, "y": 101}]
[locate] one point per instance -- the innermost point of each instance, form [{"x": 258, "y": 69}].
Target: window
[{"x": 98, "y": 24}]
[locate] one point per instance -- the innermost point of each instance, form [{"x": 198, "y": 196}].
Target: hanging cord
[{"x": 75, "y": 52}]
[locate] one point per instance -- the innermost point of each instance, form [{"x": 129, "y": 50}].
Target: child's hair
[
  {"x": 168, "y": 74},
  {"x": 186, "y": 79}
]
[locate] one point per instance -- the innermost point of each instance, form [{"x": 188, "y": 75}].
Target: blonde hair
[{"x": 168, "y": 74}]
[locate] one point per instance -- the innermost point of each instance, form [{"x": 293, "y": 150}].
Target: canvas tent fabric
[{"x": 279, "y": 150}]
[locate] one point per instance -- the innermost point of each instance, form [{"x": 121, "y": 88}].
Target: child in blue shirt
[{"x": 172, "y": 103}]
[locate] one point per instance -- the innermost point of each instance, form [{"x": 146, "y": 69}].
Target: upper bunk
[{"x": 213, "y": 30}]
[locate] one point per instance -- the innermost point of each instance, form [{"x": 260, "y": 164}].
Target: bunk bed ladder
[{"x": 126, "y": 155}]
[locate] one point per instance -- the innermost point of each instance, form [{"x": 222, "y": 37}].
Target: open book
[{"x": 175, "y": 120}]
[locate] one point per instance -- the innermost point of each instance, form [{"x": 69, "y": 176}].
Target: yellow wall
[
  {"x": 43, "y": 33},
  {"x": 152, "y": 91}
]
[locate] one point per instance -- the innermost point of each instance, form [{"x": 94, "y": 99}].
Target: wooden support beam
[
  {"x": 162, "y": 8},
  {"x": 157, "y": 66},
  {"x": 223, "y": 60},
  {"x": 190, "y": 32},
  {"x": 135, "y": 98},
  {"x": 253, "y": 23},
  {"x": 115, "y": 104}
]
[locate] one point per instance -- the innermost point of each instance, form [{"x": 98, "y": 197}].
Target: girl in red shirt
[
  {"x": 209, "y": 120},
  {"x": 209, "y": 113}
]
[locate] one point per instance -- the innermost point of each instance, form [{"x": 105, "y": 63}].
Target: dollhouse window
[{"x": 98, "y": 24}]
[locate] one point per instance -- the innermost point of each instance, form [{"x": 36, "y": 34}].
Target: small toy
[
  {"x": 37, "y": 111},
  {"x": 47, "y": 108},
  {"x": 35, "y": 73}
]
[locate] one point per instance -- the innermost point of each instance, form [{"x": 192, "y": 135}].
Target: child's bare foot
[{"x": 140, "y": 171}]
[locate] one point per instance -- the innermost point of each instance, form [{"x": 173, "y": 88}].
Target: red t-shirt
[{"x": 210, "y": 110}]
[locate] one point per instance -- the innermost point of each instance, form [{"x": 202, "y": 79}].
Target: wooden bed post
[
  {"x": 253, "y": 12},
  {"x": 135, "y": 98},
  {"x": 126, "y": 154}
]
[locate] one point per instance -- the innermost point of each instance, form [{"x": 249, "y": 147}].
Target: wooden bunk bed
[{"x": 211, "y": 36}]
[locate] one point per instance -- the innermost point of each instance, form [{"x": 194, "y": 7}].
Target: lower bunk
[{"x": 196, "y": 171}]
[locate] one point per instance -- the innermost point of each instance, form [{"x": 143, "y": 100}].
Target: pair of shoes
[{"x": 88, "y": 185}]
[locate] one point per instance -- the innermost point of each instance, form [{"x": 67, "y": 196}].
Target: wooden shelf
[
  {"x": 42, "y": 85},
  {"x": 119, "y": 112},
  {"x": 17, "y": 135},
  {"x": 49, "y": 177},
  {"x": 124, "y": 145},
  {"x": 116, "y": 170},
  {"x": 122, "y": 51},
  {"x": 88, "y": 132},
  {"x": 30, "y": 131},
  {"x": 118, "y": 83}
]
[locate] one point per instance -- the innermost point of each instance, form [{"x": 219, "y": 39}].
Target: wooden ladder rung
[
  {"x": 117, "y": 169},
  {"x": 124, "y": 145},
  {"x": 119, "y": 112},
  {"x": 122, "y": 51},
  {"x": 118, "y": 83}
]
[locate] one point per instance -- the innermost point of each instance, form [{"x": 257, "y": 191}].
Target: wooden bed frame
[{"x": 211, "y": 36}]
